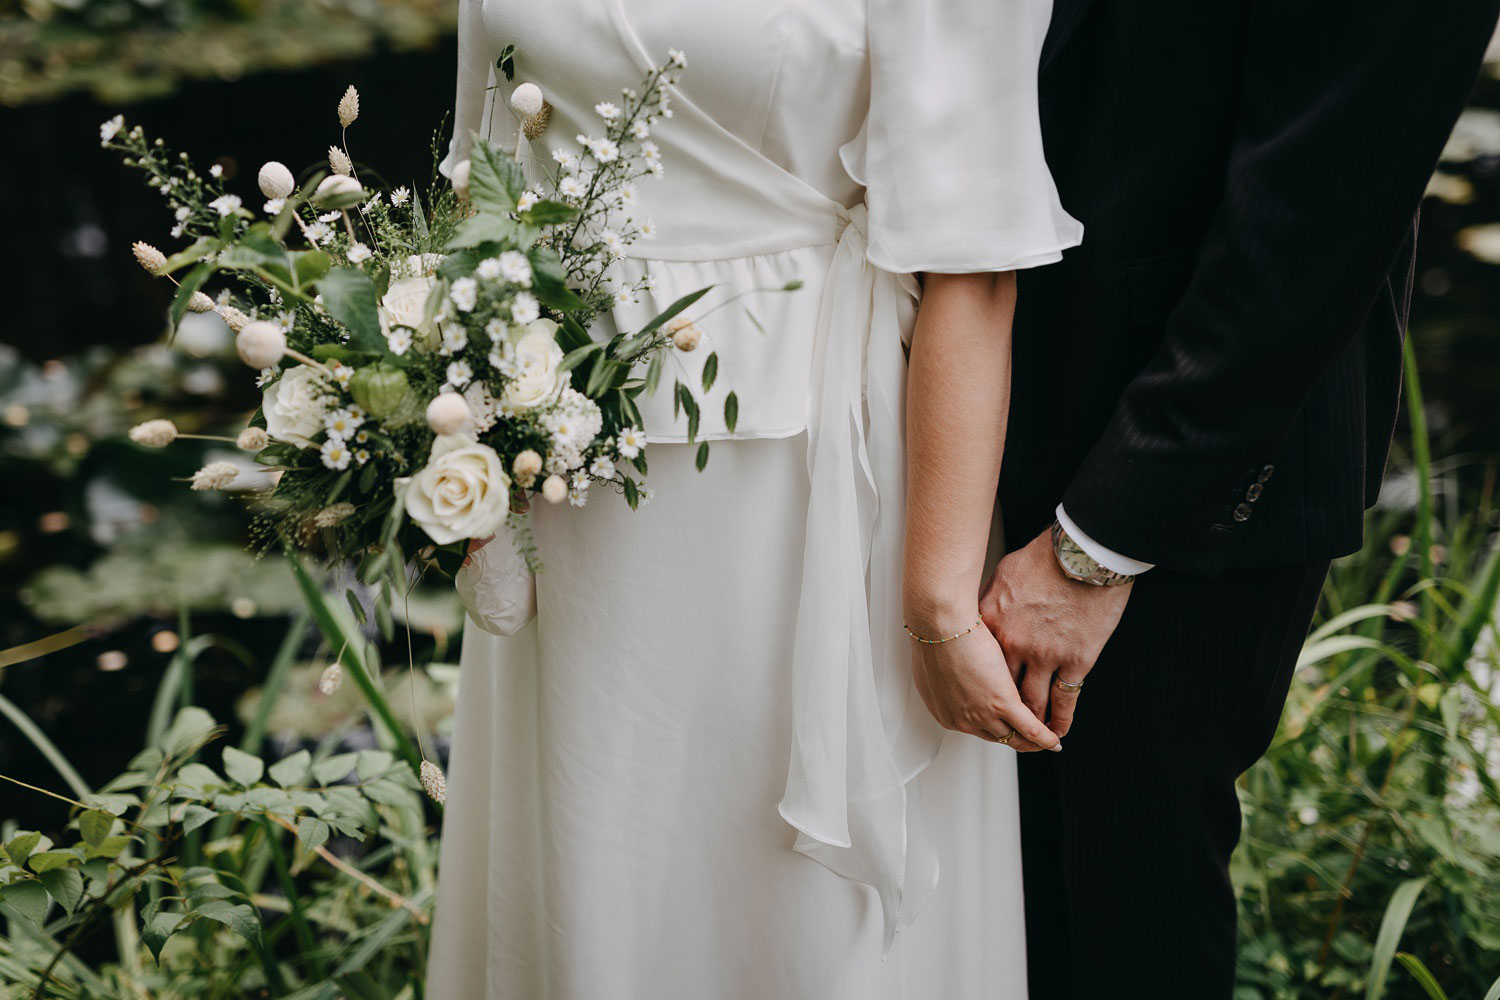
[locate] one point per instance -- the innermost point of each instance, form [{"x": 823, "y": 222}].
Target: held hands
[
  {"x": 1049, "y": 627},
  {"x": 967, "y": 688}
]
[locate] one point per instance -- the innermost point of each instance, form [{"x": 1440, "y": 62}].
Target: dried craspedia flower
[
  {"x": 330, "y": 680},
  {"x": 535, "y": 126},
  {"x": 339, "y": 161},
  {"x": 152, "y": 259},
  {"x": 685, "y": 334},
  {"x": 154, "y": 433},
  {"x": 333, "y": 515},
  {"x": 253, "y": 439},
  {"x": 555, "y": 489},
  {"x": 276, "y": 180},
  {"x": 200, "y": 303},
  {"x": 215, "y": 476},
  {"x": 448, "y": 414},
  {"x": 236, "y": 320},
  {"x": 527, "y": 466},
  {"x": 349, "y": 107},
  {"x": 433, "y": 782}
]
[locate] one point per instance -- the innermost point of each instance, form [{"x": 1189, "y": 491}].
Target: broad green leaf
[
  {"x": 159, "y": 927},
  {"x": 309, "y": 266},
  {"x": 632, "y": 493},
  {"x": 29, "y": 898},
  {"x": 46, "y": 861},
  {"x": 1397, "y": 912},
  {"x": 197, "y": 251},
  {"x": 95, "y": 825},
  {"x": 482, "y": 228},
  {"x": 20, "y": 846},
  {"x": 653, "y": 374},
  {"x": 550, "y": 213},
  {"x": 198, "y": 776},
  {"x": 195, "y": 280},
  {"x": 109, "y": 847},
  {"x": 291, "y": 770},
  {"x": 549, "y": 282},
  {"x": 195, "y": 816},
  {"x": 335, "y": 768},
  {"x": 576, "y": 357},
  {"x": 373, "y": 763},
  {"x": 191, "y": 728},
  {"x": 495, "y": 179},
  {"x": 313, "y": 832},
  {"x": 64, "y": 885},
  {"x": 349, "y": 296},
  {"x": 244, "y": 768},
  {"x": 239, "y": 918}
]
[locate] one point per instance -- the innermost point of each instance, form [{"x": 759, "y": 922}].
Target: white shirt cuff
[{"x": 1108, "y": 558}]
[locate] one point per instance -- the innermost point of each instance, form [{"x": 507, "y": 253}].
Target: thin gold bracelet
[{"x": 939, "y": 642}]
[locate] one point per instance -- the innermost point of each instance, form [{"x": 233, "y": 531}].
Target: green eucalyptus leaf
[
  {"x": 245, "y": 769},
  {"x": 292, "y": 770}
]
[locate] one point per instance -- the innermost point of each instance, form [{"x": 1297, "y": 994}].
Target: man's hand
[
  {"x": 967, "y": 688},
  {"x": 1050, "y": 627}
]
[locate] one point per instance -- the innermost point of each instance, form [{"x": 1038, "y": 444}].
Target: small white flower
[
  {"x": 110, "y": 129},
  {"x": 361, "y": 456},
  {"x": 488, "y": 269},
  {"x": 609, "y": 112},
  {"x": 565, "y": 159},
  {"x": 655, "y": 169},
  {"x": 648, "y": 230},
  {"x": 181, "y": 215},
  {"x": 215, "y": 476},
  {"x": 650, "y": 151},
  {"x": 341, "y": 424},
  {"x": 216, "y": 171},
  {"x": 516, "y": 268},
  {"x": 274, "y": 206},
  {"x": 265, "y": 376},
  {"x": 629, "y": 195},
  {"x": 349, "y": 107},
  {"x": 647, "y": 495},
  {"x": 640, "y": 129},
  {"x": 342, "y": 373},
  {"x": 604, "y": 150},
  {"x": 455, "y": 338},
  {"x": 495, "y": 330},
  {"x": 624, "y": 297},
  {"x": 339, "y": 161},
  {"x": 370, "y": 205},
  {"x": 226, "y": 204},
  {"x": 612, "y": 242},
  {"x": 329, "y": 216},
  {"x": 400, "y": 196},
  {"x": 602, "y": 468},
  {"x": 631, "y": 442},
  {"x": 676, "y": 58},
  {"x": 1307, "y": 815},
  {"x": 177, "y": 231},
  {"x": 464, "y": 294},
  {"x": 398, "y": 340},
  {"x": 320, "y": 233},
  {"x": 154, "y": 433},
  {"x": 524, "y": 308},
  {"x": 578, "y": 498},
  {"x": 335, "y": 453},
  {"x": 359, "y": 253},
  {"x": 572, "y": 188},
  {"x": 527, "y": 201},
  {"x": 459, "y": 373}
]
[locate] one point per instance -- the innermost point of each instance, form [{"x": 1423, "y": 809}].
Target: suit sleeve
[{"x": 1344, "y": 109}]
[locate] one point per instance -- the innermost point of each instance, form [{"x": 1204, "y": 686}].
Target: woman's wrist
[{"x": 933, "y": 612}]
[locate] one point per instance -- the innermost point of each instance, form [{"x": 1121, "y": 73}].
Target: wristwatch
[{"x": 1077, "y": 564}]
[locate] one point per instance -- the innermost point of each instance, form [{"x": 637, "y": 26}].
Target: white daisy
[
  {"x": 464, "y": 294},
  {"x": 328, "y": 217},
  {"x": 604, "y": 150},
  {"x": 527, "y": 201},
  {"x": 631, "y": 442},
  {"x": 459, "y": 374},
  {"x": 400, "y": 196},
  {"x": 340, "y": 423},
  {"x": 647, "y": 495},
  {"x": 524, "y": 308},
  {"x": 516, "y": 268},
  {"x": 399, "y": 340},
  {"x": 216, "y": 171},
  {"x": 676, "y": 58},
  {"x": 341, "y": 374},
  {"x": 602, "y": 468},
  {"x": 648, "y": 230},
  {"x": 320, "y": 233},
  {"x": 359, "y": 253},
  {"x": 572, "y": 187},
  {"x": 488, "y": 269},
  {"x": 274, "y": 206},
  {"x": 335, "y": 453},
  {"x": 226, "y": 205},
  {"x": 455, "y": 338},
  {"x": 609, "y": 112},
  {"x": 629, "y": 195},
  {"x": 611, "y": 241},
  {"x": 565, "y": 159},
  {"x": 181, "y": 215},
  {"x": 639, "y": 129},
  {"x": 361, "y": 456},
  {"x": 110, "y": 129}
]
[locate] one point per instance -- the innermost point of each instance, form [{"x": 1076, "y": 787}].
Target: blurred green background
[{"x": 1372, "y": 828}]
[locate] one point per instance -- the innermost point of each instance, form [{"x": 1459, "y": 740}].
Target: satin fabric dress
[{"x": 714, "y": 692}]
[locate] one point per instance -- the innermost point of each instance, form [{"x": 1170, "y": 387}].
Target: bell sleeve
[{"x": 951, "y": 152}]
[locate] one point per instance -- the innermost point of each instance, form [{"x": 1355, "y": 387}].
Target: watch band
[{"x": 1078, "y": 565}]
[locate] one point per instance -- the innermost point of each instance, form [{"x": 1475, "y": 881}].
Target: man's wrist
[{"x": 1111, "y": 560}]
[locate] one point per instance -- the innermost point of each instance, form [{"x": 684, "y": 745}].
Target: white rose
[
  {"x": 294, "y": 406},
  {"x": 462, "y": 493},
  {"x": 538, "y": 357},
  {"x": 405, "y": 304}
]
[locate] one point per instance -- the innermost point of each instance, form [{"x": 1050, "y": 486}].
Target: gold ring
[
  {"x": 1005, "y": 740},
  {"x": 1063, "y": 685}
]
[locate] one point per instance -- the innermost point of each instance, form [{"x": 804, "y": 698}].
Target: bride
[{"x": 727, "y": 686}]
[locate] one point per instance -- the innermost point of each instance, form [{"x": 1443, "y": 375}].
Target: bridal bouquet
[{"x": 427, "y": 367}]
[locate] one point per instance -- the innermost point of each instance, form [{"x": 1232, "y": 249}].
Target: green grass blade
[
  {"x": 47, "y": 748},
  {"x": 1397, "y": 912},
  {"x": 1421, "y": 974},
  {"x": 1493, "y": 993}
]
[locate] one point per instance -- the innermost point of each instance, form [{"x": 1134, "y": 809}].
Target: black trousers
[{"x": 1127, "y": 833}]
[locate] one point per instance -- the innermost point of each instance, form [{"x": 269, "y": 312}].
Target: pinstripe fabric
[
  {"x": 1248, "y": 176},
  {"x": 1126, "y": 834}
]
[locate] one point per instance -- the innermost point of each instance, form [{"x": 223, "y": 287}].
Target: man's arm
[{"x": 1345, "y": 107}]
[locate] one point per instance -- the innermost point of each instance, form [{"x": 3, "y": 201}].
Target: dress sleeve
[
  {"x": 951, "y": 152},
  {"x": 473, "y": 105}
]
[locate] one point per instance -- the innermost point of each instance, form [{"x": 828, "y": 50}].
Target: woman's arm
[{"x": 958, "y": 399}]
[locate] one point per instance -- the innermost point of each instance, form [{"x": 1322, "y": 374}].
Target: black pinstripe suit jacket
[{"x": 1211, "y": 380}]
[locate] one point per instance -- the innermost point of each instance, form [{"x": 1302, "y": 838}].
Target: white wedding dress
[{"x": 702, "y": 771}]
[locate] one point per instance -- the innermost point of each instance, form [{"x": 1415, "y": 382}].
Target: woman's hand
[
  {"x": 475, "y": 544},
  {"x": 968, "y": 688}
]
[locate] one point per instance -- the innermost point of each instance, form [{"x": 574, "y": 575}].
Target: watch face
[{"x": 1076, "y": 561}]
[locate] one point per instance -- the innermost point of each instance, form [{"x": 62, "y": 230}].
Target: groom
[{"x": 1204, "y": 395}]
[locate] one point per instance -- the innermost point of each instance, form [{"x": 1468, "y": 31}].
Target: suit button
[
  {"x": 1266, "y": 473},
  {"x": 1242, "y": 513},
  {"x": 1254, "y": 492}
]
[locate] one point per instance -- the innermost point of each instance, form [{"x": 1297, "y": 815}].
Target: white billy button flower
[
  {"x": 632, "y": 440},
  {"x": 252, "y": 439},
  {"x": 527, "y": 100},
  {"x": 464, "y": 294},
  {"x": 526, "y": 467},
  {"x": 448, "y": 414},
  {"x": 339, "y": 162},
  {"x": 154, "y": 433},
  {"x": 685, "y": 334},
  {"x": 294, "y": 406},
  {"x": 359, "y": 253},
  {"x": 110, "y": 129},
  {"x": 462, "y": 493},
  {"x": 226, "y": 205},
  {"x": 335, "y": 453},
  {"x": 275, "y": 180},
  {"x": 460, "y": 179},
  {"x": 215, "y": 476},
  {"x": 516, "y": 268},
  {"x": 260, "y": 344},
  {"x": 554, "y": 489},
  {"x": 150, "y": 258},
  {"x": 349, "y": 107},
  {"x": 525, "y": 308}
]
